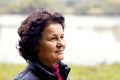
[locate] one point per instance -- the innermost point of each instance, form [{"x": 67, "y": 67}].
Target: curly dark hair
[{"x": 31, "y": 29}]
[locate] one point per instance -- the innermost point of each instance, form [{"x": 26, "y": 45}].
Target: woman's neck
[{"x": 48, "y": 64}]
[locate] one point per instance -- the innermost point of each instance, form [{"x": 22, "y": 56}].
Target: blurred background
[{"x": 92, "y": 33}]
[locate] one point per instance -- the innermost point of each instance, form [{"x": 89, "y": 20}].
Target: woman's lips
[{"x": 59, "y": 51}]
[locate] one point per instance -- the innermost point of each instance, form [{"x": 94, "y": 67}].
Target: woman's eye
[
  {"x": 54, "y": 38},
  {"x": 62, "y": 37}
]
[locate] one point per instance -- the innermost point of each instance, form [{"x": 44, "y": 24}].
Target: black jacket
[{"x": 35, "y": 71}]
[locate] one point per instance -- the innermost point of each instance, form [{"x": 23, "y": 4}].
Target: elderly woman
[{"x": 42, "y": 45}]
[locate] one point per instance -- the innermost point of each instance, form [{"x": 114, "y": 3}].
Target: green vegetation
[
  {"x": 79, "y": 7},
  {"x": 9, "y": 71},
  {"x": 97, "y": 72}
]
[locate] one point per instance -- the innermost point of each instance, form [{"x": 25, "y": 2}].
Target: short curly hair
[{"x": 31, "y": 29}]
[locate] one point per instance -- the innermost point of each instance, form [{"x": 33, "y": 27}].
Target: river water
[{"x": 89, "y": 40}]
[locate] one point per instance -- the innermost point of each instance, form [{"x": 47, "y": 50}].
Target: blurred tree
[
  {"x": 80, "y": 7},
  {"x": 70, "y": 3}
]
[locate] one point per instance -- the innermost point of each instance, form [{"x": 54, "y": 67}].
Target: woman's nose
[{"x": 61, "y": 43}]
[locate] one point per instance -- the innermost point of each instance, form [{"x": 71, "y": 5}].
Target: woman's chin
[{"x": 61, "y": 57}]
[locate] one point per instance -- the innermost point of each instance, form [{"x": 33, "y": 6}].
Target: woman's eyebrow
[{"x": 57, "y": 34}]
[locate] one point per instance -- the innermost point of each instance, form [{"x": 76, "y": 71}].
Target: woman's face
[{"x": 52, "y": 45}]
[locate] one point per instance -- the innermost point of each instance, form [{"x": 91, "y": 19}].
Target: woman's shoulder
[{"x": 26, "y": 75}]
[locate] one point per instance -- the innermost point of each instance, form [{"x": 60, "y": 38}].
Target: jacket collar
[
  {"x": 64, "y": 69},
  {"x": 44, "y": 74}
]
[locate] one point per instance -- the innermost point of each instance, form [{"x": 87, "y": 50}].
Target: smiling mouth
[{"x": 60, "y": 51}]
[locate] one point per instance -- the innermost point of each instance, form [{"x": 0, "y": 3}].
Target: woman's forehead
[{"x": 52, "y": 28}]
